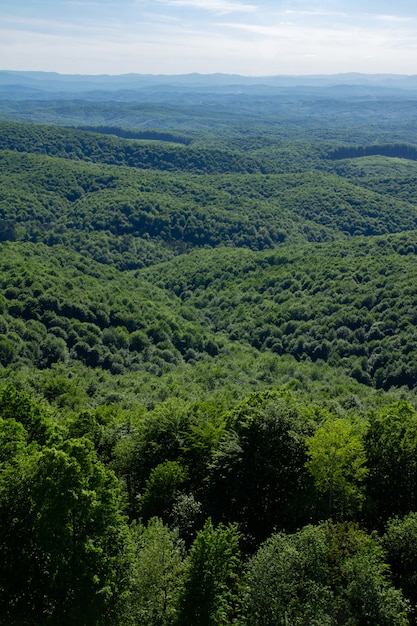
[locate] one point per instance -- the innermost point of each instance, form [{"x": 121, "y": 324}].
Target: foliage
[
  {"x": 20, "y": 407},
  {"x": 327, "y": 574},
  {"x": 212, "y": 577},
  {"x": 208, "y": 345},
  {"x": 391, "y": 450},
  {"x": 63, "y": 540},
  {"x": 257, "y": 472},
  {"x": 157, "y": 573},
  {"x": 349, "y": 305},
  {"x": 400, "y": 541},
  {"x": 164, "y": 483},
  {"x": 60, "y": 309},
  {"x": 337, "y": 464}
]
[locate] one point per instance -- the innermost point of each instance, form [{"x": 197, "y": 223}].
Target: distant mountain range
[{"x": 19, "y": 84}]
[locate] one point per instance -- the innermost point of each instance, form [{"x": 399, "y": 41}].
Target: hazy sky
[{"x": 249, "y": 37}]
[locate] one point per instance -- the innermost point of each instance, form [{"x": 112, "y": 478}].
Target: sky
[{"x": 247, "y": 37}]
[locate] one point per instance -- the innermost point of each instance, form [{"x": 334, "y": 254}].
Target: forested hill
[
  {"x": 208, "y": 350},
  {"x": 349, "y": 304},
  {"x": 132, "y": 203}
]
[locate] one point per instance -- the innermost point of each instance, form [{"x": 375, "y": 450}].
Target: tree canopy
[{"x": 208, "y": 358}]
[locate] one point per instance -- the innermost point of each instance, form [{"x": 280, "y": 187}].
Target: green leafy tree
[
  {"x": 19, "y": 406},
  {"x": 391, "y": 448},
  {"x": 329, "y": 575},
  {"x": 257, "y": 475},
  {"x": 337, "y": 464},
  {"x": 212, "y": 577},
  {"x": 164, "y": 482},
  {"x": 157, "y": 574},
  {"x": 158, "y": 439},
  {"x": 20, "y": 600},
  {"x": 288, "y": 581},
  {"x": 400, "y": 544},
  {"x": 80, "y": 528},
  {"x": 64, "y": 543},
  {"x": 13, "y": 439}
]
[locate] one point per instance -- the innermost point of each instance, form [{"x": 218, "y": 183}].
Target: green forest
[{"x": 208, "y": 359}]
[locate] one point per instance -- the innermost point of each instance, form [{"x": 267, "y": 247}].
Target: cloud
[
  {"x": 41, "y": 26},
  {"x": 313, "y": 13},
  {"x": 392, "y": 19},
  {"x": 215, "y": 6}
]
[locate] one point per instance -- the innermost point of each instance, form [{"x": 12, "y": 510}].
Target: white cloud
[
  {"x": 216, "y": 6},
  {"x": 313, "y": 13},
  {"x": 392, "y": 19}
]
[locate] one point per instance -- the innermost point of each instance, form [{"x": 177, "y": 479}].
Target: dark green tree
[
  {"x": 164, "y": 483},
  {"x": 400, "y": 544},
  {"x": 391, "y": 449},
  {"x": 257, "y": 476}
]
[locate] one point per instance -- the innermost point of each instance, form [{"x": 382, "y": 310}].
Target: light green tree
[
  {"x": 157, "y": 574},
  {"x": 288, "y": 581},
  {"x": 64, "y": 546},
  {"x": 325, "y": 575},
  {"x": 337, "y": 464}
]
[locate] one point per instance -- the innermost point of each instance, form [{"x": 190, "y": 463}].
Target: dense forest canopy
[{"x": 208, "y": 352}]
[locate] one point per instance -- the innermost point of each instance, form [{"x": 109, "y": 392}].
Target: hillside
[
  {"x": 349, "y": 304},
  {"x": 134, "y": 202}
]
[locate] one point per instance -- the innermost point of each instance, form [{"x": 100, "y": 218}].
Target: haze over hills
[{"x": 37, "y": 83}]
